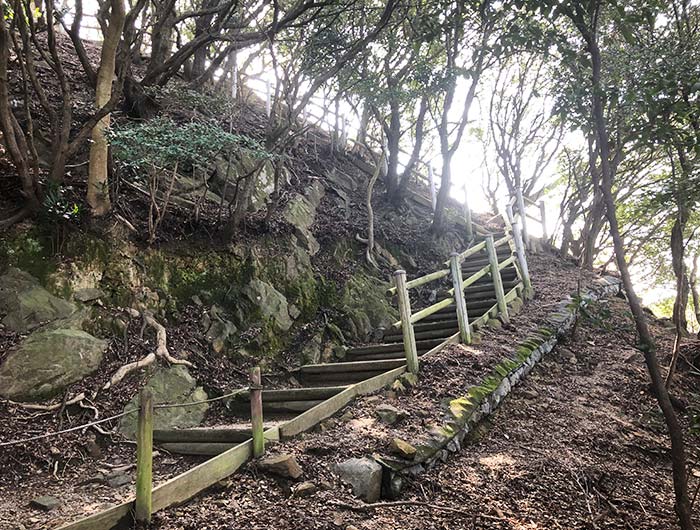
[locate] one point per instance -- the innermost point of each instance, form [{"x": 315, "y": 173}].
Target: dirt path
[{"x": 579, "y": 445}]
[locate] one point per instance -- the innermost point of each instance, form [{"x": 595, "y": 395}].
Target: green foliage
[
  {"x": 176, "y": 97},
  {"x": 161, "y": 143}
]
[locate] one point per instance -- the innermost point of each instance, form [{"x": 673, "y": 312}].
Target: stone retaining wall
[{"x": 466, "y": 411}]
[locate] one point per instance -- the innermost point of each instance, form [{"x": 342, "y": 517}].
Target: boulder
[
  {"x": 311, "y": 351},
  {"x": 300, "y": 212},
  {"x": 281, "y": 465},
  {"x": 364, "y": 476},
  {"x": 48, "y": 361},
  {"x": 170, "y": 385},
  {"x": 271, "y": 304},
  {"x": 26, "y": 305}
]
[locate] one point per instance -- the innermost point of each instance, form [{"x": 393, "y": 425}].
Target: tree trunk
[
  {"x": 647, "y": 346},
  {"x": 695, "y": 291},
  {"x": 98, "y": 184}
]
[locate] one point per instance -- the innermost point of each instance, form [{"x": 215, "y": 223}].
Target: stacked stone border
[{"x": 465, "y": 412}]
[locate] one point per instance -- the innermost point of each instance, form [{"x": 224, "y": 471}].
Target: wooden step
[
  {"x": 294, "y": 394},
  {"x": 197, "y": 449},
  {"x": 345, "y": 367},
  {"x": 391, "y": 347},
  {"x": 344, "y": 377},
  {"x": 426, "y": 335},
  {"x": 228, "y": 434}
]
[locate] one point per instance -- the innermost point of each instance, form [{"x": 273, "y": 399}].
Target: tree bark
[
  {"x": 646, "y": 342},
  {"x": 98, "y": 184}
]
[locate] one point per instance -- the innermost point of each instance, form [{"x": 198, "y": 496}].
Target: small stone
[
  {"x": 347, "y": 416},
  {"x": 403, "y": 449},
  {"x": 494, "y": 323},
  {"x": 305, "y": 489},
  {"x": 390, "y": 395},
  {"x": 282, "y": 465},
  {"x": 196, "y": 300},
  {"x": 364, "y": 476},
  {"x": 390, "y": 414},
  {"x": 397, "y": 387},
  {"x": 117, "y": 480},
  {"x": 45, "y": 503},
  {"x": 573, "y": 359}
]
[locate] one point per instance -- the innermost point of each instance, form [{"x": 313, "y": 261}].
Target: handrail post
[
  {"x": 521, "y": 214},
  {"x": 465, "y": 333},
  {"x": 496, "y": 276},
  {"x": 256, "y": 412},
  {"x": 522, "y": 258},
  {"x": 543, "y": 218},
  {"x": 144, "y": 458},
  {"x": 409, "y": 338}
]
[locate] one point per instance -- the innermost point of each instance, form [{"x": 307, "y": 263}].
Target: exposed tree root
[
  {"x": 161, "y": 350},
  {"x": 35, "y": 406}
]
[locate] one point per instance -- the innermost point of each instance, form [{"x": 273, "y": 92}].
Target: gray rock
[
  {"x": 389, "y": 414},
  {"x": 170, "y": 385},
  {"x": 88, "y": 294},
  {"x": 282, "y": 465},
  {"x": 311, "y": 351},
  {"x": 270, "y": 302},
  {"x": 47, "y": 362},
  {"x": 300, "y": 212},
  {"x": 117, "y": 480},
  {"x": 45, "y": 503},
  {"x": 26, "y": 305},
  {"x": 364, "y": 476}
]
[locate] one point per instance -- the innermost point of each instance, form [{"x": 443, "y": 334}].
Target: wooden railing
[
  {"x": 518, "y": 206},
  {"x": 456, "y": 295}
]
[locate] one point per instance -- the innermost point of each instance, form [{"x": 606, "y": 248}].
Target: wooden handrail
[{"x": 422, "y": 280}]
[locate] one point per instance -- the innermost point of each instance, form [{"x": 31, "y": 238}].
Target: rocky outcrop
[
  {"x": 270, "y": 304},
  {"x": 300, "y": 212},
  {"x": 366, "y": 307},
  {"x": 25, "y": 305},
  {"x": 48, "y": 361},
  {"x": 170, "y": 385}
]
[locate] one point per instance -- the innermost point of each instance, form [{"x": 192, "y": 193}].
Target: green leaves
[{"x": 162, "y": 143}]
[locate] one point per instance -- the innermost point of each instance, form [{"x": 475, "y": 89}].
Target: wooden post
[
  {"x": 496, "y": 276},
  {"x": 522, "y": 258},
  {"x": 144, "y": 457},
  {"x": 465, "y": 333},
  {"x": 521, "y": 215},
  {"x": 256, "y": 411},
  {"x": 543, "y": 217},
  {"x": 468, "y": 215},
  {"x": 268, "y": 99},
  {"x": 431, "y": 183},
  {"x": 409, "y": 338}
]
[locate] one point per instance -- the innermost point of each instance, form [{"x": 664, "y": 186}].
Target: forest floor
[{"x": 580, "y": 444}]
